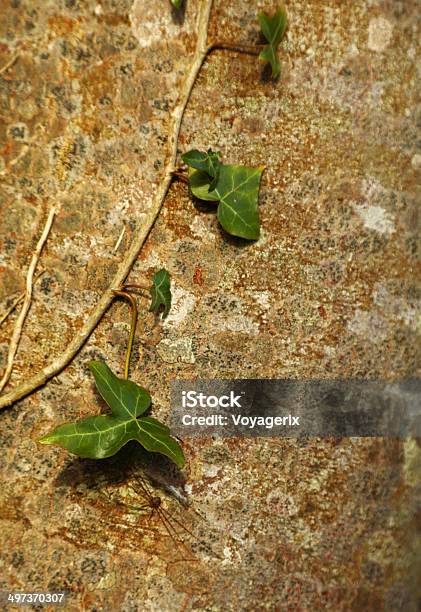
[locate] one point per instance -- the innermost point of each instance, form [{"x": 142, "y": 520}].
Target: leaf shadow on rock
[
  {"x": 178, "y": 15},
  {"x": 266, "y": 75},
  {"x": 207, "y": 208},
  {"x": 211, "y": 208},
  {"x": 131, "y": 459},
  {"x": 240, "y": 243}
]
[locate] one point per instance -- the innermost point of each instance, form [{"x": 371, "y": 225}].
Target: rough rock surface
[{"x": 330, "y": 290}]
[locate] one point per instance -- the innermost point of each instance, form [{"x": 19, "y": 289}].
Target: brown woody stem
[
  {"x": 248, "y": 49},
  {"x": 181, "y": 176},
  {"x": 61, "y": 361},
  {"x": 138, "y": 287}
]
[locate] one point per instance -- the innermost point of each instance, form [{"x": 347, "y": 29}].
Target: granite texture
[{"x": 331, "y": 289}]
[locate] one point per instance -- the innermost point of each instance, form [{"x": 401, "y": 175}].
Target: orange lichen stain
[
  {"x": 114, "y": 19},
  {"x": 61, "y": 25},
  {"x": 89, "y": 125},
  {"x": 7, "y": 149},
  {"x": 177, "y": 199},
  {"x": 11, "y": 509},
  {"x": 63, "y": 164},
  {"x": 197, "y": 276},
  {"x": 95, "y": 81}
]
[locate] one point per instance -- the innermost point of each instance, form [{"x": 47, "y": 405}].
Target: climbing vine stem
[
  {"x": 59, "y": 363},
  {"x": 133, "y": 321}
]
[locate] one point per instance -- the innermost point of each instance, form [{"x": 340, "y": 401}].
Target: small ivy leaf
[
  {"x": 199, "y": 183},
  {"x": 161, "y": 292},
  {"x": 206, "y": 162},
  {"x": 102, "y": 436},
  {"x": 177, "y": 3},
  {"x": 238, "y": 193},
  {"x": 273, "y": 29}
]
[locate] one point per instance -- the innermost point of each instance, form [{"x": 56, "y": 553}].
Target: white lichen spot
[
  {"x": 106, "y": 582},
  {"x": 262, "y": 298},
  {"x": 411, "y": 53},
  {"x": 353, "y": 50},
  {"x": 152, "y": 23},
  {"x": 375, "y": 218},
  {"x": 329, "y": 351},
  {"x": 182, "y": 303},
  {"x": 210, "y": 471},
  {"x": 369, "y": 325},
  {"x": 396, "y": 307},
  {"x": 379, "y": 34},
  {"x": 372, "y": 214},
  {"x": 227, "y": 555},
  {"x": 416, "y": 161},
  {"x": 235, "y": 323},
  {"x": 179, "y": 350},
  {"x": 199, "y": 229}
]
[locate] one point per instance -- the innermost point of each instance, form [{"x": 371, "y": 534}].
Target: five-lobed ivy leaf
[
  {"x": 273, "y": 29},
  {"x": 102, "y": 436},
  {"x": 236, "y": 190},
  {"x": 177, "y": 3},
  {"x": 161, "y": 292}
]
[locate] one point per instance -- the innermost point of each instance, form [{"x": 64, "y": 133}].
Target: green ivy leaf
[
  {"x": 206, "y": 162},
  {"x": 273, "y": 29},
  {"x": 102, "y": 436},
  {"x": 236, "y": 190},
  {"x": 161, "y": 292},
  {"x": 199, "y": 183},
  {"x": 177, "y": 3}
]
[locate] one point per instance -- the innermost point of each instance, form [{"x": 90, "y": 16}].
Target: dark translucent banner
[{"x": 291, "y": 408}]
